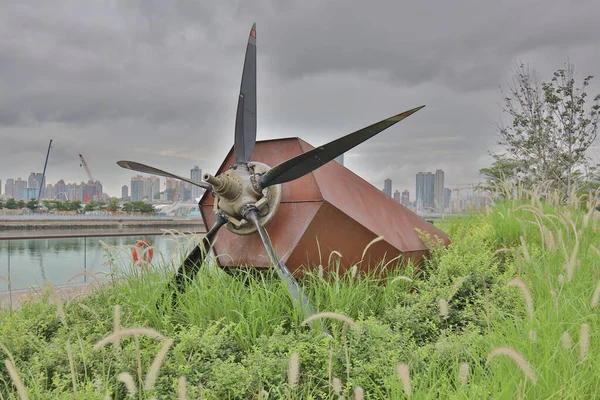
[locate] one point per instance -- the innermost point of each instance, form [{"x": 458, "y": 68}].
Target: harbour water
[{"x": 28, "y": 262}]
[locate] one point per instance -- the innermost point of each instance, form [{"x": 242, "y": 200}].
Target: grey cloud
[{"x": 463, "y": 44}]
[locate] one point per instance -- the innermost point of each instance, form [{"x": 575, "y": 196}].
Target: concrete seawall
[{"x": 124, "y": 224}]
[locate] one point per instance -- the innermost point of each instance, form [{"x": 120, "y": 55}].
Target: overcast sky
[{"x": 157, "y": 81}]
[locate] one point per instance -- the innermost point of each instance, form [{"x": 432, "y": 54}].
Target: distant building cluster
[
  {"x": 145, "y": 188},
  {"x": 148, "y": 188},
  {"x": 20, "y": 189},
  {"x": 430, "y": 193},
  {"x": 432, "y": 196}
]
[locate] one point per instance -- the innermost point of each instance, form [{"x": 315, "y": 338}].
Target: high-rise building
[
  {"x": 124, "y": 192},
  {"x": 438, "y": 190},
  {"x": 196, "y": 174},
  {"x": 152, "y": 188},
  {"x": 138, "y": 188},
  {"x": 34, "y": 182},
  {"x": 60, "y": 190},
  {"x": 397, "y": 196},
  {"x": 387, "y": 187},
  {"x": 9, "y": 188},
  {"x": 50, "y": 192},
  {"x": 88, "y": 192},
  {"x": 31, "y": 193},
  {"x": 99, "y": 189},
  {"x": 447, "y": 197},
  {"x": 19, "y": 189},
  {"x": 75, "y": 191},
  {"x": 425, "y": 189},
  {"x": 405, "y": 198},
  {"x": 171, "y": 184}
]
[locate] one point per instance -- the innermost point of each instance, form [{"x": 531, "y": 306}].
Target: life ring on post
[{"x": 144, "y": 248}]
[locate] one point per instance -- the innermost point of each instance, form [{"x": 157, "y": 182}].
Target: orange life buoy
[{"x": 145, "y": 252}]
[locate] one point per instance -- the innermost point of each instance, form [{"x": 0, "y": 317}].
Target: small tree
[
  {"x": 11, "y": 204},
  {"x": 31, "y": 204},
  {"x": 550, "y": 127},
  {"x": 91, "y": 206},
  {"x": 113, "y": 204},
  {"x": 574, "y": 126}
]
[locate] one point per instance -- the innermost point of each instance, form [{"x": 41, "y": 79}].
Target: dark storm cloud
[{"x": 157, "y": 81}]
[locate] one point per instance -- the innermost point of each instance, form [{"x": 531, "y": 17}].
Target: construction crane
[
  {"x": 89, "y": 173},
  {"x": 43, "y": 177}
]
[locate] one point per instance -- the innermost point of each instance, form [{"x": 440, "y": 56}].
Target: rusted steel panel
[
  {"x": 336, "y": 231},
  {"x": 371, "y": 207}
]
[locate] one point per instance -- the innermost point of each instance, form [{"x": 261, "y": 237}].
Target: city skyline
[
  {"x": 119, "y": 193},
  {"x": 195, "y": 173}
]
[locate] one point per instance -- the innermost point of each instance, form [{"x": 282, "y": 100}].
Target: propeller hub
[{"x": 237, "y": 190}]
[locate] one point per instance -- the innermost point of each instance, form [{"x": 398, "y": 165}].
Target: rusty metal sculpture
[{"x": 247, "y": 193}]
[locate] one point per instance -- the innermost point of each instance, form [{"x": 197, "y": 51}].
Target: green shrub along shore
[{"x": 508, "y": 310}]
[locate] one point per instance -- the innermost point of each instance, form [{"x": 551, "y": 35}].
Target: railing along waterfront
[{"x": 27, "y": 261}]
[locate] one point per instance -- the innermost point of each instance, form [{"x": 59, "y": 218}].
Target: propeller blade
[
  {"x": 135, "y": 166},
  {"x": 245, "y": 122},
  {"x": 293, "y": 286},
  {"x": 305, "y": 163},
  {"x": 195, "y": 259}
]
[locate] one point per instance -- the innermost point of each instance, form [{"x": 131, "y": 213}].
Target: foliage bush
[{"x": 232, "y": 337}]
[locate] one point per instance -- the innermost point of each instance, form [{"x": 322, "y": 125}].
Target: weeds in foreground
[{"x": 508, "y": 310}]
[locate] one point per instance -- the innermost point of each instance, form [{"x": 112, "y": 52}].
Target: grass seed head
[
  {"x": 359, "y": 393},
  {"x": 127, "y": 379},
  {"x": 444, "y": 311},
  {"x": 525, "y": 250},
  {"x": 516, "y": 357},
  {"x": 566, "y": 340},
  {"x": 526, "y": 294},
  {"x": 584, "y": 341},
  {"x": 182, "y": 388},
  {"x": 463, "y": 373},
  {"x": 337, "y": 386},
  {"x": 532, "y": 336},
  {"x": 14, "y": 375},
  {"x": 332, "y": 315},
  {"x": 404, "y": 375},
  {"x": 596, "y": 295},
  {"x": 153, "y": 372},
  {"x": 263, "y": 394},
  {"x": 128, "y": 332},
  {"x": 294, "y": 370}
]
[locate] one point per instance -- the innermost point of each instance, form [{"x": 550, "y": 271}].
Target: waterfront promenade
[{"x": 22, "y": 222}]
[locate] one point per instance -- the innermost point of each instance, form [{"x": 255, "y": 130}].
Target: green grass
[{"x": 233, "y": 337}]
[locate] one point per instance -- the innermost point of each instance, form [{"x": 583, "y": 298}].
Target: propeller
[
  {"x": 195, "y": 259},
  {"x": 135, "y": 166},
  {"x": 284, "y": 273},
  {"x": 305, "y": 163},
  {"x": 245, "y": 122}
]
